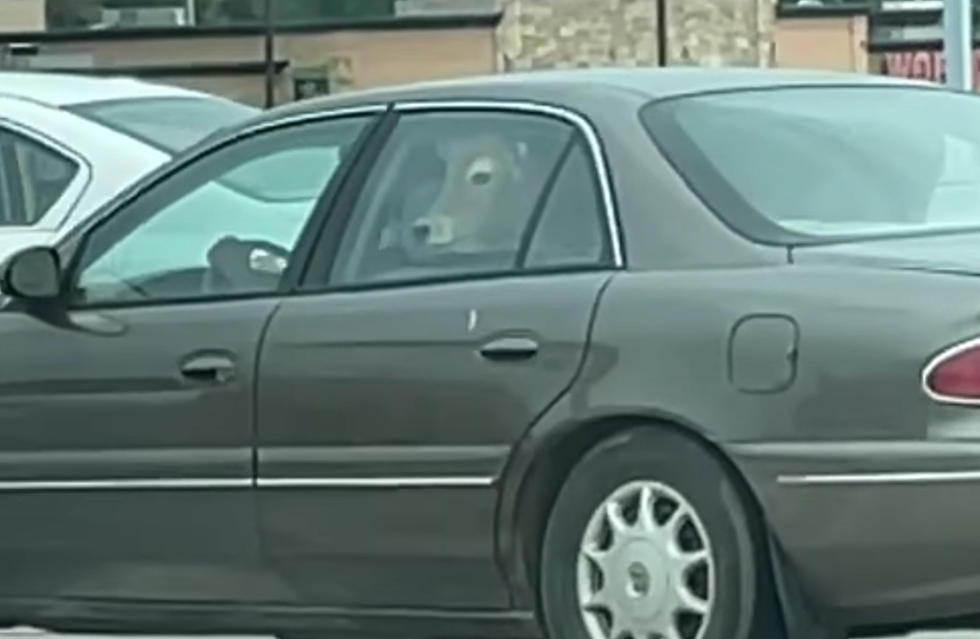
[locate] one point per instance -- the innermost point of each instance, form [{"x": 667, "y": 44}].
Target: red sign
[{"x": 924, "y": 65}]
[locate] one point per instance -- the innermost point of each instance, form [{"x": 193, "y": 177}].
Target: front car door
[
  {"x": 446, "y": 307},
  {"x": 127, "y": 422}
]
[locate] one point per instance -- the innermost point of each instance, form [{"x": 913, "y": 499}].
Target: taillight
[{"x": 954, "y": 374}]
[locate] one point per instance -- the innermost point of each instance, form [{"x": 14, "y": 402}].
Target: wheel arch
[{"x": 541, "y": 463}]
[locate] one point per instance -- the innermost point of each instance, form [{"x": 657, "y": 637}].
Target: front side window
[
  {"x": 464, "y": 193},
  {"x": 33, "y": 177},
  {"x": 828, "y": 162},
  {"x": 224, "y": 225}
]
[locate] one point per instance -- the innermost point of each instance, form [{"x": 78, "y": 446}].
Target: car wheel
[{"x": 649, "y": 539}]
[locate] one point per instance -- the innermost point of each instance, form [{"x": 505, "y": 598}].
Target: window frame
[
  {"x": 59, "y": 211},
  {"x": 324, "y": 255},
  {"x": 74, "y": 244}
]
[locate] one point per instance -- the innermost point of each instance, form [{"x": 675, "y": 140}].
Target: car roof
[
  {"x": 570, "y": 86},
  {"x": 63, "y": 89}
]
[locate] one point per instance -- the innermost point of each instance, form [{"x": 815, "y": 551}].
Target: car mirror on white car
[{"x": 32, "y": 274}]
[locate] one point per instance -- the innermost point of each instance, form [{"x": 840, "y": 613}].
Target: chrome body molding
[
  {"x": 237, "y": 483},
  {"x": 376, "y": 482},
  {"x": 123, "y": 484},
  {"x": 839, "y": 479}
]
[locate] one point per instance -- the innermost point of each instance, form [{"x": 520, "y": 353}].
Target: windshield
[
  {"x": 171, "y": 124},
  {"x": 825, "y": 163}
]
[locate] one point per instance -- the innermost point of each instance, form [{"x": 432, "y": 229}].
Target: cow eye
[{"x": 480, "y": 172}]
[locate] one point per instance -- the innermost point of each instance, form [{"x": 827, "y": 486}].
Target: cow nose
[{"x": 421, "y": 231}]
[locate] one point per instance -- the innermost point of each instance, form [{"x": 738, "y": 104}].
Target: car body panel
[
  {"x": 847, "y": 411},
  {"x": 66, "y": 89},
  {"x": 129, "y": 456},
  {"x": 390, "y": 386},
  {"x": 811, "y": 422}
]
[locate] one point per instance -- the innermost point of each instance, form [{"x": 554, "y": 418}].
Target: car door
[
  {"x": 127, "y": 419},
  {"x": 446, "y": 307}
]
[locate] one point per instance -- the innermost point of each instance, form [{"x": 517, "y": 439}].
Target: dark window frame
[
  {"x": 166, "y": 192},
  {"x": 324, "y": 257}
]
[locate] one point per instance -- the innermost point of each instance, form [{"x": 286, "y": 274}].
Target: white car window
[{"x": 33, "y": 177}]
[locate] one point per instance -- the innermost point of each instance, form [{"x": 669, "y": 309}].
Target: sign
[
  {"x": 311, "y": 82},
  {"x": 924, "y": 65}
]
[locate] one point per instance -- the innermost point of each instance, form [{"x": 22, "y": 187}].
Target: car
[
  {"x": 68, "y": 143},
  {"x": 587, "y": 354}
]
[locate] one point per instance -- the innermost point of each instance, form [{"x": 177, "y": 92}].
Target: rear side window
[
  {"x": 571, "y": 231},
  {"x": 471, "y": 194},
  {"x": 171, "y": 124},
  {"x": 823, "y": 163},
  {"x": 33, "y": 177}
]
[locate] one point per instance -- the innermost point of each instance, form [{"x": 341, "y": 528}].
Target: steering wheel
[{"x": 243, "y": 266}]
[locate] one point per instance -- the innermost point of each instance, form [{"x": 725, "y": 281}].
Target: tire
[{"x": 673, "y": 468}]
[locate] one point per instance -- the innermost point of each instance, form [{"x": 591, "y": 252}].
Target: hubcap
[{"x": 645, "y": 569}]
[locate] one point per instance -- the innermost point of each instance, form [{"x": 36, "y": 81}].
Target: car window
[
  {"x": 195, "y": 235},
  {"x": 571, "y": 231},
  {"x": 171, "y": 124},
  {"x": 828, "y": 162},
  {"x": 452, "y": 194},
  {"x": 33, "y": 177}
]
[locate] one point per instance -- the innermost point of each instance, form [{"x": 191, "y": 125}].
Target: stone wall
[
  {"x": 571, "y": 33},
  {"x": 21, "y": 15}
]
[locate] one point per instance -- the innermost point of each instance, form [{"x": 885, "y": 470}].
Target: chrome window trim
[
  {"x": 599, "y": 163},
  {"x": 936, "y": 360},
  {"x": 298, "y": 119},
  {"x": 920, "y": 477},
  {"x": 58, "y": 212}
]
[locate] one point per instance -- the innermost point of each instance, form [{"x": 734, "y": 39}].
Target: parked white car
[{"x": 69, "y": 143}]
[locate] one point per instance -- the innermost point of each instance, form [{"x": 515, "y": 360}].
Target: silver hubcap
[{"x": 645, "y": 569}]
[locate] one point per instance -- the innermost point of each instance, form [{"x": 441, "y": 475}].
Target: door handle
[
  {"x": 510, "y": 349},
  {"x": 209, "y": 369}
]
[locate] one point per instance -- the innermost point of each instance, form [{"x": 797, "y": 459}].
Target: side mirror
[{"x": 32, "y": 274}]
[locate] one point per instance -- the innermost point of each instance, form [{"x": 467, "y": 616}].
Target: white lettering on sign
[{"x": 924, "y": 65}]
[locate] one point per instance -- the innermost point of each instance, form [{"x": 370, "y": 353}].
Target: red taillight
[{"x": 954, "y": 375}]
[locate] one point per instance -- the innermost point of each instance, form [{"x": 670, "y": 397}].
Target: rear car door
[
  {"x": 446, "y": 306},
  {"x": 127, "y": 422}
]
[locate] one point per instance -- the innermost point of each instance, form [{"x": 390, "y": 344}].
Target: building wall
[
  {"x": 350, "y": 59},
  {"x": 360, "y": 59},
  {"x": 570, "y": 33},
  {"x": 835, "y": 43},
  {"x": 21, "y": 15}
]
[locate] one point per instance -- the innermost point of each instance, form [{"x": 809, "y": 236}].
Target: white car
[{"x": 69, "y": 143}]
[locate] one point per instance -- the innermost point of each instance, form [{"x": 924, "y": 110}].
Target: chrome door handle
[
  {"x": 209, "y": 369},
  {"x": 510, "y": 349}
]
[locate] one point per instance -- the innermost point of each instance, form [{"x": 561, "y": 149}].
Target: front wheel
[{"x": 649, "y": 539}]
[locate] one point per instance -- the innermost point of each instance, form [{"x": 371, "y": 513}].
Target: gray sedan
[{"x": 617, "y": 354}]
